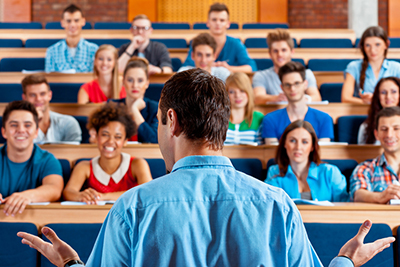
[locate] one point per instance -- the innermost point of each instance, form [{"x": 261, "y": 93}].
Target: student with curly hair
[{"x": 113, "y": 172}]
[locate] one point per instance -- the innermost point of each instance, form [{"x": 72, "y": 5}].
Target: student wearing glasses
[
  {"x": 141, "y": 46},
  {"x": 294, "y": 85}
]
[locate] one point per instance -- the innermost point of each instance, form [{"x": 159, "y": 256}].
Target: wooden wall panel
[
  {"x": 16, "y": 10},
  {"x": 273, "y": 11},
  {"x": 393, "y": 18},
  {"x": 148, "y": 7}
]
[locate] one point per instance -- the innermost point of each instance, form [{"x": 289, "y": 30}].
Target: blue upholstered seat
[
  {"x": 12, "y": 251},
  {"x": 154, "y": 91},
  {"x": 40, "y": 43},
  {"x": 331, "y": 92},
  {"x": 348, "y": 126},
  {"x": 21, "y": 25},
  {"x": 19, "y": 64},
  {"x": 250, "y": 166},
  {"x": 328, "y": 64},
  {"x": 172, "y": 42},
  {"x": 65, "y": 92},
  {"x": 325, "y": 43},
  {"x": 13, "y": 43},
  {"x": 114, "y": 42},
  {"x": 176, "y": 63}
]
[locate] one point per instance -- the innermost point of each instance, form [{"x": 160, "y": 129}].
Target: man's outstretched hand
[
  {"x": 57, "y": 252},
  {"x": 359, "y": 252}
]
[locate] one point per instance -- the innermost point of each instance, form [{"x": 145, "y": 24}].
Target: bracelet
[
  {"x": 130, "y": 55},
  {"x": 347, "y": 258},
  {"x": 73, "y": 262}
]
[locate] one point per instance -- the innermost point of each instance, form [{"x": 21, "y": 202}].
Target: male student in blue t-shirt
[
  {"x": 294, "y": 85},
  {"x": 28, "y": 173},
  {"x": 231, "y": 52}
]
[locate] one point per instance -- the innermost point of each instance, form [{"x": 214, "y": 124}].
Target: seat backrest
[
  {"x": 394, "y": 42},
  {"x": 40, "y": 43},
  {"x": 246, "y": 26},
  {"x": 256, "y": 43},
  {"x": 66, "y": 169},
  {"x": 83, "y": 120},
  {"x": 19, "y": 64},
  {"x": 64, "y": 92},
  {"x": 203, "y": 26},
  {"x": 263, "y": 63},
  {"x": 328, "y": 64},
  {"x": 154, "y": 91},
  {"x": 176, "y": 63},
  {"x": 331, "y": 92},
  {"x": 172, "y": 42},
  {"x": 80, "y": 236},
  {"x": 21, "y": 25},
  {"x": 348, "y": 126},
  {"x": 56, "y": 25},
  {"x": 325, "y": 43},
  {"x": 328, "y": 238},
  {"x": 4, "y": 43},
  {"x": 112, "y": 26},
  {"x": 250, "y": 166},
  {"x": 10, "y": 92},
  {"x": 12, "y": 251},
  {"x": 117, "y": 43},
  {"x": 157, "y": 167},
  {"x": 170, "y": 26}
]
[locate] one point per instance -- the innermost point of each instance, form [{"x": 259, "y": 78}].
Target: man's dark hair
[
  {"x": 386, "y": 113},
  {"x": 290, "y": 67},
  {"x": 72, "y": 9},
  {"x": 204, "y": 39},
  {"x": 218, "y": 7},
  {"x": 20, "y": 105},
  {"x": 201, "y": 104},
  {"x": 32, "y": 80}
]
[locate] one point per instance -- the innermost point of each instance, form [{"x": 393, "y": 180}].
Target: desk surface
[{"x": 340, "y": 213}]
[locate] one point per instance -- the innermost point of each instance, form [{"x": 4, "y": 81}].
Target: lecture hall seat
[
  {"x": 250, "y": 166},
  {"x": 21, "y": 25},
  {"x": 80, "y": 236},
  {"x": 247, "y": 26},
  {"x": 11, "y": 43},
  {"x": 64, "y": 92},
  {"x": 261, "y": 42},
  {"x": 328, "y": 64},
  {"x": 117, "y": 43},
  {"x": 40, "y": 43},
  {"x": 154, "y": 91},
  {"x": 348, "y": 126},
  {"x": 326, "y": 43},
  {"x": 172, "y": 42},
  {"x": 176, "y": 64},
  {"x": 12, "y": 251},
  {"x": 10, "y": 92},
  {"x": 265, "y": 63},
  {"x": 328, "y": 238},
  {"x": 331, "y": 92},
  {"x": 19, "y": 64}
]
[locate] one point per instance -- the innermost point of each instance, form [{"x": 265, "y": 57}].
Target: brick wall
[
  {"x": 317, "y": 13},
  {"x": 94, "y": 10}
]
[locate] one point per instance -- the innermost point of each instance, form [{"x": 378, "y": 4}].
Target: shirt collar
[
  {"x": 385, "y": 64},
  {"x": 103, "y": 177},
  {"x": 381, "y": 160},
  {"x": 197, "y": 161}
]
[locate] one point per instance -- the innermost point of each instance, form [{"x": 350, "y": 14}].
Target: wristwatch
[{"x": 73, "y": 262}]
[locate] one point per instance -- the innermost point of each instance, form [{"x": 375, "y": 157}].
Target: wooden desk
[
  {"x": 188, "y": 35},
  {"x": 264, "y": 152},
  {"x": 340, "y": 213}
]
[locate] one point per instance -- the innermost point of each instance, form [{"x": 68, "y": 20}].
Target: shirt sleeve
[
  {"x": 326, "y": 127},
  {"x": 49, "y": 65},
  {"x": 113, "y": 244},
  {"x": 353, "y": 68},
  {"x": 242, "y": 57},
  {"x": 50, "y": 166},
  {"x": 165, "y": 60},
  {"x": 72, "y": 130},
  {"x": 258, "y": 80},
  {"x": 339, "y": 185},
  {"x": 360, "y": 178},
  {"x": 189, "y": 61},
  {"x": 341, "y": 262},
  {"x": 312, "y": 82},
  {"x": 273, "y": 172},
  {"x": 268, "y": 127}
]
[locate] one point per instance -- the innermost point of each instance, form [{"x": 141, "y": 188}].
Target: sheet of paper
[{"x": 299, "y": 201}]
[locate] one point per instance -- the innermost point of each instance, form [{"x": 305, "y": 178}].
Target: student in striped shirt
[{"x": 244, "y": 122}]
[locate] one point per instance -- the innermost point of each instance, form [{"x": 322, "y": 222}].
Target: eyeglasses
[
  {"x": 137, "y": 28},
  {"x": 295, "y": 85}
]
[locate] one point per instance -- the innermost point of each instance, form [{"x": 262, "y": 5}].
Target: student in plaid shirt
[
  {"x": 73, "y": 53},
  {"x": 377, "y": 181}
]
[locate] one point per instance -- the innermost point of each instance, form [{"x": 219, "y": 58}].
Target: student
[
  {"x": 294, "y": 85},
  {"x": 204, "y": 212},
  {"x": 230, "y": 52},
  {"x": 266, "y": 83},
  {"x": 28, "y": 173},
  {"x": 386, "y": 94},
  {"x": 53, "y": 127},
  {"x": 361, "y": 76},
  {"x": 377, "y": 181},
  {"x": 74, "y": 53},
  {"x": 109, "y": 175},
  {"x": 299, "y": 170},
  {"x": 155, "y": 52},
  {"x": 142, "y": 109},
  {"x": 203, "y": 56},
  {"x": 244, "y": 122},
  {"x": 106, "y": 83}
]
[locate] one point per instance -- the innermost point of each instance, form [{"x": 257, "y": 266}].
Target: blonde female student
[
  {"x": 106, "y": 84},
  {"x": 113, "y": 172}
]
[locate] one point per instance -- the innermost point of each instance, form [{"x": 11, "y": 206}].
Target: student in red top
[
  {"x": 112, "y": 173},
  {"x": 106, "y": 84}
]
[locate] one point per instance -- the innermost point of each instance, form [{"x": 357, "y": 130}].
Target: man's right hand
[
  {"x": 137, "y": 41},
  {"x": 391, "y": 192},
  {"x": 40, "y": 113},
  {"x": 57, "y": 252}
]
